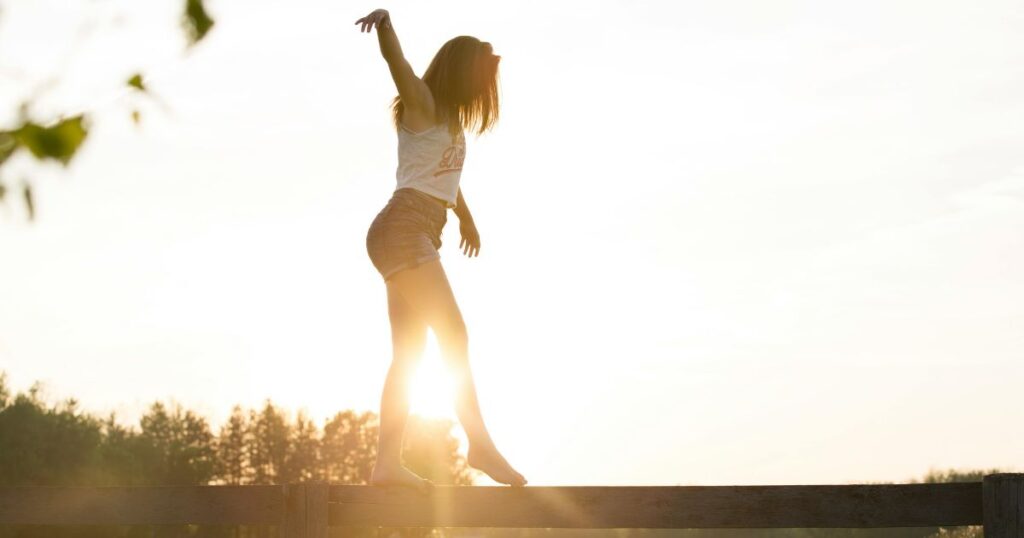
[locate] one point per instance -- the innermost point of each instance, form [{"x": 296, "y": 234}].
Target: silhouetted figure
[{"x": 458, "y": 91}]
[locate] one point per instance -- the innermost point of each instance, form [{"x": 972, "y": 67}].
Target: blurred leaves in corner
[
  {"x": 61, "y": 140},
  {"x": 58, "y": 142},
  {"x": 136, "y": 82},
  {"x": 196, "y": 21},
  {"x": 7, "y": 145},
  {"x": 30, "y": 204}
]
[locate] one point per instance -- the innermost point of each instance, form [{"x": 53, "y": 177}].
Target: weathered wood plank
[
  {"x": 1003, "y": 505},
  {"x": 156, "y": 505},
  {"x": 294, "y": 524},
  {"x": 578, "y": 507},
  {"x": 888, "y": 505},
  {"x": 317, "y": 494}
]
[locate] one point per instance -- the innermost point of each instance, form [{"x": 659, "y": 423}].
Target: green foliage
[
  {"x": 30, "y": 203},
  {"x": 46, "y": 445},
  {"x": 953, "y": 475},
  {"x": 7, "y": 146},
  {"x": 60, "y": 445},
  {"x": 349, "y": 447},
  {"x": 62, "y": 140},
  {"x": 971, "y": 531},
  {"x": 232, "y": 465},
  {"x": 5, "y": 392},
  {"x": 136, "y": 82},
  {"x": 196, "y": 22},
  {"x": 58, "y": 142},
  {"x": 42, "y": 444},
  {"x": 176, "y": 448},
  {"x": 936, "y": 476}
]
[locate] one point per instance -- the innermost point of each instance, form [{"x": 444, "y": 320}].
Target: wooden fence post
[
  {"x": 305, "y": 510},
  {"x": 316, "y": 509},
  {"x": 1003, "y": 505},
  {"x": 294, "y": 525}
]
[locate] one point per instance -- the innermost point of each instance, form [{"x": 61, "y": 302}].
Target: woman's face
[
  {"x": 486, "y": 63},
  {"x": 488, "y": 52}
]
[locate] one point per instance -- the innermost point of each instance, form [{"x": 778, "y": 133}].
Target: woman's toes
[{"x": 494, "y": 465}]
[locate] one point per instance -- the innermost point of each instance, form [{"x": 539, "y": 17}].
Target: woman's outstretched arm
[{"x": 414, "y": 92}]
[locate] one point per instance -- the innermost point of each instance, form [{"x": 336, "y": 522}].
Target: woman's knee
[
  {"x": 404, "y": 367},
  {"x": 452, "y": 329}
]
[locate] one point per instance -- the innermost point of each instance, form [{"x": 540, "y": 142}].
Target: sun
[{"x": 432, "y": 393}]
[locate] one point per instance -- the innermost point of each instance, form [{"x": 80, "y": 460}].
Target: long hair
[{"x": 463, "y": 78}]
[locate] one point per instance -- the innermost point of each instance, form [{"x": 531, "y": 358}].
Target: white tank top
[{"x": 431, "y": 161}]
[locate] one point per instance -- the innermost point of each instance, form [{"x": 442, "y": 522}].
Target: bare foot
[
  {"x": 386, "y": 475},
  {"x": 490, "y": 461}
]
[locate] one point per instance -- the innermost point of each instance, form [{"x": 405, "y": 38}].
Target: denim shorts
[{"x": 407, "y": 232}]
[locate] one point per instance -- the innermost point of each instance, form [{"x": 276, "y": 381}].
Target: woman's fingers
[
  {"x": 470, "y": 246},
  {"x": 369, "y": 22}
]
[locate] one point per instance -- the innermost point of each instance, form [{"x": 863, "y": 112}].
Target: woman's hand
[
  {"x": 377, "y": 18},
  {"x": 470, "y": 243}
]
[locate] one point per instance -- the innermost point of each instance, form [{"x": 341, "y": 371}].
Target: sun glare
[{"x": 433, "y": 392}]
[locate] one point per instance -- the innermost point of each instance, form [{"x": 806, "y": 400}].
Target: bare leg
[
  {"x": 408, "y": 337},
  {"x": 427, "y": 290}
]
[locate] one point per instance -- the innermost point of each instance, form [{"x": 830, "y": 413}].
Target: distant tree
[
  {"x": 41, "y": 445},
  {"x": 268, "y": 445},
  {"x": 232, "y": 461},
  {"x": 5, "y": 391},
  {"x": 120, "y": 461},
  {"x": 936, "y": 476},
  {"x": 177, "y": 446},
  {"x": 349, "y": 447},
  {"x": 304, "y": 463}
]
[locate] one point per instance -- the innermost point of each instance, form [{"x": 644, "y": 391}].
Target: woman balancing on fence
[{"x": 458, "y": 91}]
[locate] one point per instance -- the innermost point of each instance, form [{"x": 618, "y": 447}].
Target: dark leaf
[
  {"x": 30, "y": 205},
  {"x": 59, "y": 142},
  {"x": 7, "y": 145},
  {"x": 196, "y": 21},
  {"x": 136, "y": 82}
]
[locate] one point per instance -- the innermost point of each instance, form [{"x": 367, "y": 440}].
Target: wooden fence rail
[{"x": 306, "y": 510}]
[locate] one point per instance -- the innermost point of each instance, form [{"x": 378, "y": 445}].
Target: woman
[{"x": 458, "y": 91}]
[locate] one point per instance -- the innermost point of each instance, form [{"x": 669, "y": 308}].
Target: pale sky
[{"x": 732, "y": 242}]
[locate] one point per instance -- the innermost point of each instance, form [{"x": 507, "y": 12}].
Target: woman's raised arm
[{"x": 414, "y": 92}]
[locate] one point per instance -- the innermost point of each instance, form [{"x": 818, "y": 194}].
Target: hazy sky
[{"x": 732, "y": 242}]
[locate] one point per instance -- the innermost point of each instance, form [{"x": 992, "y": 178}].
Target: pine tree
[{"x": 232, "y": 462}]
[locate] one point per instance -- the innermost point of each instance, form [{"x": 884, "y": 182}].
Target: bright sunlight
[{"x": 433, "y": 392}]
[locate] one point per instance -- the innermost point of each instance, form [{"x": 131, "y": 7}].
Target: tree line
[{"x": 59, "y": 444}]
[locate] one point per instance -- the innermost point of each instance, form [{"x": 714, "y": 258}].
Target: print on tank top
[{"x": 452, "y": 158}]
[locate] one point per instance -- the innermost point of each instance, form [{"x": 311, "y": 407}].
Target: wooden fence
[{"x": 306, "y": 510}]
